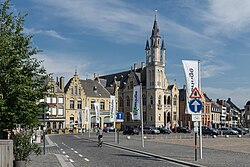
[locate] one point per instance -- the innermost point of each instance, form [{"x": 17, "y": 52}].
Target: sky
[{"x": 109, "y": 36}]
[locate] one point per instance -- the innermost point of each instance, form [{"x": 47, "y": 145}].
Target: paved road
[{"x": 84, "y": 152}]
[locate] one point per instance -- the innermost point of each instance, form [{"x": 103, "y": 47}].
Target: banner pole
[{"x": 142, "y": 135}]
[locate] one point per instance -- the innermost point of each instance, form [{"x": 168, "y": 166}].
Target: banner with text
[
  {"x": 112, "y": 108},
  {"x": 191, "y": 69},
  {"x": 136, "y": 106},
  {"x": 86, "y": 114},
  {"x": 97, "y": 112},
  {"x": 79, "y": 111}
]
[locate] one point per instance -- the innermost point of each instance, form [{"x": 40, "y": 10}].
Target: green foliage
[
  {"x": 22, "y": 78},
  {"x": 22, "y": 147}
]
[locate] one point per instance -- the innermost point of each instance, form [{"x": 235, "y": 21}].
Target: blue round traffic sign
[{"x": 195, "y": 105}]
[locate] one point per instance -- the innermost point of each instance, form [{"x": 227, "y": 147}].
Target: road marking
[
  {"x": 80, "y": 155},
  {"x": 71, "y": 160},
  {"x": 86, "y": 159},
  {"x": 61, "y": 149},
  {"x": 76, "y": 152},
  {"x": 72, "y": 149},
  {"x": 66, "y": 156},
  {"x": 63, "y": 152}
]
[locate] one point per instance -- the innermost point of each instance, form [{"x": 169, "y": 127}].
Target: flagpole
[
  {"x": 201, "y": 111},
  {"x": 141, "y": 108}
]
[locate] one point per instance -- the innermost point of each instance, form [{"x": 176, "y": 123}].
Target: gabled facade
[{"x": 55, "y": 98}]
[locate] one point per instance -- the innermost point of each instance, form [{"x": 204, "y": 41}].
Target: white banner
[
  {"x": 97, "y": 112},
  {"x": 112, "y": 108},
  {"x": 136, "y": 106},
  {"x": 191, "y": 69},
  {"x": 79, "y": 111},
  {"x": 86, "y": 114}
]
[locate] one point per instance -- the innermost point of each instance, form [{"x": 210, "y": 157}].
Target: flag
[
  {"x": 191, "y": 69},
  {"x": 79, "y": 111},
  {"x": 112, "y": 108},
  {"x": 97, "y": 112},
  {"x": 136, "y": 106},
  {"x": 86, "y": 114}
]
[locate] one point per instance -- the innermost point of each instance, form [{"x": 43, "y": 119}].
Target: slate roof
[
  {"x": 108, "y": 80},
  {"x": 93, "y": 88}
]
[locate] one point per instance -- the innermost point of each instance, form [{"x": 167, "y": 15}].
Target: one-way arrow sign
[{"x": 195, "y": 105}]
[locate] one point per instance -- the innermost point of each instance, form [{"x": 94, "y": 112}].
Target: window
[
  {"x": 165, "y": 99},
  {"x": 169, "y": 100},
  {"x": 72, "y": 91},
  {"x": 102, "y": 105},
  {"x": 79, "y": 91},
  {"x": 53, "y": 100},
  {"x": 48, "y": 99},
  {"x": 175, "y": 100},
  {"x": 159, "y": 117},
  {"x": 71, "y": 104},
  {"x": 60, "y": 100},
  {"x": 128, "y": 116},
  {"x": 92, "y": 104},
  {"x": 144, "y": 100},
  {"x": 128, "y": 101},
  {"x": 53, "y": 111},
  {"x": 60, "y": 111},
  {"x": 79, "y": 104},
  {"x": 131, "y": 84},
  {"x": 51, "y": 90},
  {"x": 159, "y": 99},
  {"x": 120, "y": 102},
  {"x": 76, "y": 90},
  {"x": 151, "y": 100}
]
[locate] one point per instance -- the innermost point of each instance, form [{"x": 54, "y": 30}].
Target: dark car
[
  {"x": 131, "y": 131},
  {"x": 241, "y": 131},
  {"x": 109, "y": 129},
  {"x": 164, "y": 130},
  {"x": 209, "y": 131},
  {"x": 183, "y": 130}
]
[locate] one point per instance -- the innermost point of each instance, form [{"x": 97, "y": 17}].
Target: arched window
[
  {"x": 144, "y": 100},
  {"x": 151, "y": 100},
  {"x": 120, "y": 102},
  {"x": 175, "y": 100},
  {"x": 165, "y": 99},
  {"x": 128, "y": 101},
  {"x": 128, "y": 116},
  {"x": 169, "y": 100},
  {"x": 72, "y": 103},
  {"x": 159, "y": 99},
  {"x": 79, "y": 104}
]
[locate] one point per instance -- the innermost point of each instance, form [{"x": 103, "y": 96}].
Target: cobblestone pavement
[{"x": 47, "y": 160}]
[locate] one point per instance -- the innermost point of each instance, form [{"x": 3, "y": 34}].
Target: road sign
[
  {"x": 195, "y": 94},
  {"x": 119, "y": 117},
  {"x": 195, "y": 105},
  {"x": 196, "y": 117}
]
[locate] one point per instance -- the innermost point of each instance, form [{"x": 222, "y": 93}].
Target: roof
[
  {"x": 232, "y": 105},
  {"x": 93, "y": 88}
]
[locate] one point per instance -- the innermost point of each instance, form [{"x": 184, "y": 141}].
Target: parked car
[
  {"x": 131, "y": 131},
  {"x": 150, "y": 130},
  {"x": 227, "y": 131},
  {"x": 246, "y": 130},
  {"x": 109, "y": 129},
  {"x": 206, "y": 130},
  {"x": 182, "y": 130},
  {"x": 164, "y": 130},
  {"x": 241, "y": 131}
]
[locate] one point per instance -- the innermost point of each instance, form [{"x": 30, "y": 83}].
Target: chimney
[
  {"x": 135, "y": 66},
  {"x": 62, "y": 83},
  {"x": 142, "y": 65}
]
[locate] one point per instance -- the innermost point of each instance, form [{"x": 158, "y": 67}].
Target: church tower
[{"x": 156, "y": 80}]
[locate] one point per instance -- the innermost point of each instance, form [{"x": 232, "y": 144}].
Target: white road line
[
  {"x": 71, "y": 160},
  {"x": 76, "y": 152},
  {"x": 63, "y": 152},
  {"x": 61, "y": 149},
  {"x": 86, "y": 159},
  {"x": 72, "y": 149},
  {"x": 66, "y": 156},
  {"x": 80, "y": 155}
]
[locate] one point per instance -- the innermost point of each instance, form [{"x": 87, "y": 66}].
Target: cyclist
[{"x": 99, "y": 133}]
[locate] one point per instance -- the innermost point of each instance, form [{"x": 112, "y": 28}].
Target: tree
[{"x": 22, "y": 78}]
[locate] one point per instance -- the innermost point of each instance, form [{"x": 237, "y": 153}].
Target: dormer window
[
  {"x": 95, "y": 89},
  {"x": 52, "y": 89}
]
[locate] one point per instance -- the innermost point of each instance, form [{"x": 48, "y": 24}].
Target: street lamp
[{"x": 45, "y": 108}]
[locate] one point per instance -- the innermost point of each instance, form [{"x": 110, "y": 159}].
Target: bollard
[
  {"x": 239, "y": 136},
  {"x": 128, "y": 137},
  {"x": 214, "y": 136},
  {"x": 226, "y": 136}
]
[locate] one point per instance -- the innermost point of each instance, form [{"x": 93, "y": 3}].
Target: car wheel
[
  {"x": 132, "y": 133},
  {"x": 124, "y": 133}
]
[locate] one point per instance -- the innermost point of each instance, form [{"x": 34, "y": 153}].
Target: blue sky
[{"x": 107, "y": 36}]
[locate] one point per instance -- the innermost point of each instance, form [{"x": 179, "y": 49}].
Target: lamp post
[{"x": 45, "y": 108}]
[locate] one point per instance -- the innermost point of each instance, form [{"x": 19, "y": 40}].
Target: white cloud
[
  {"x": 239, "y": 96},
  {"x": 227, "y": 17},
  {"x": 51, "y": 33}
]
